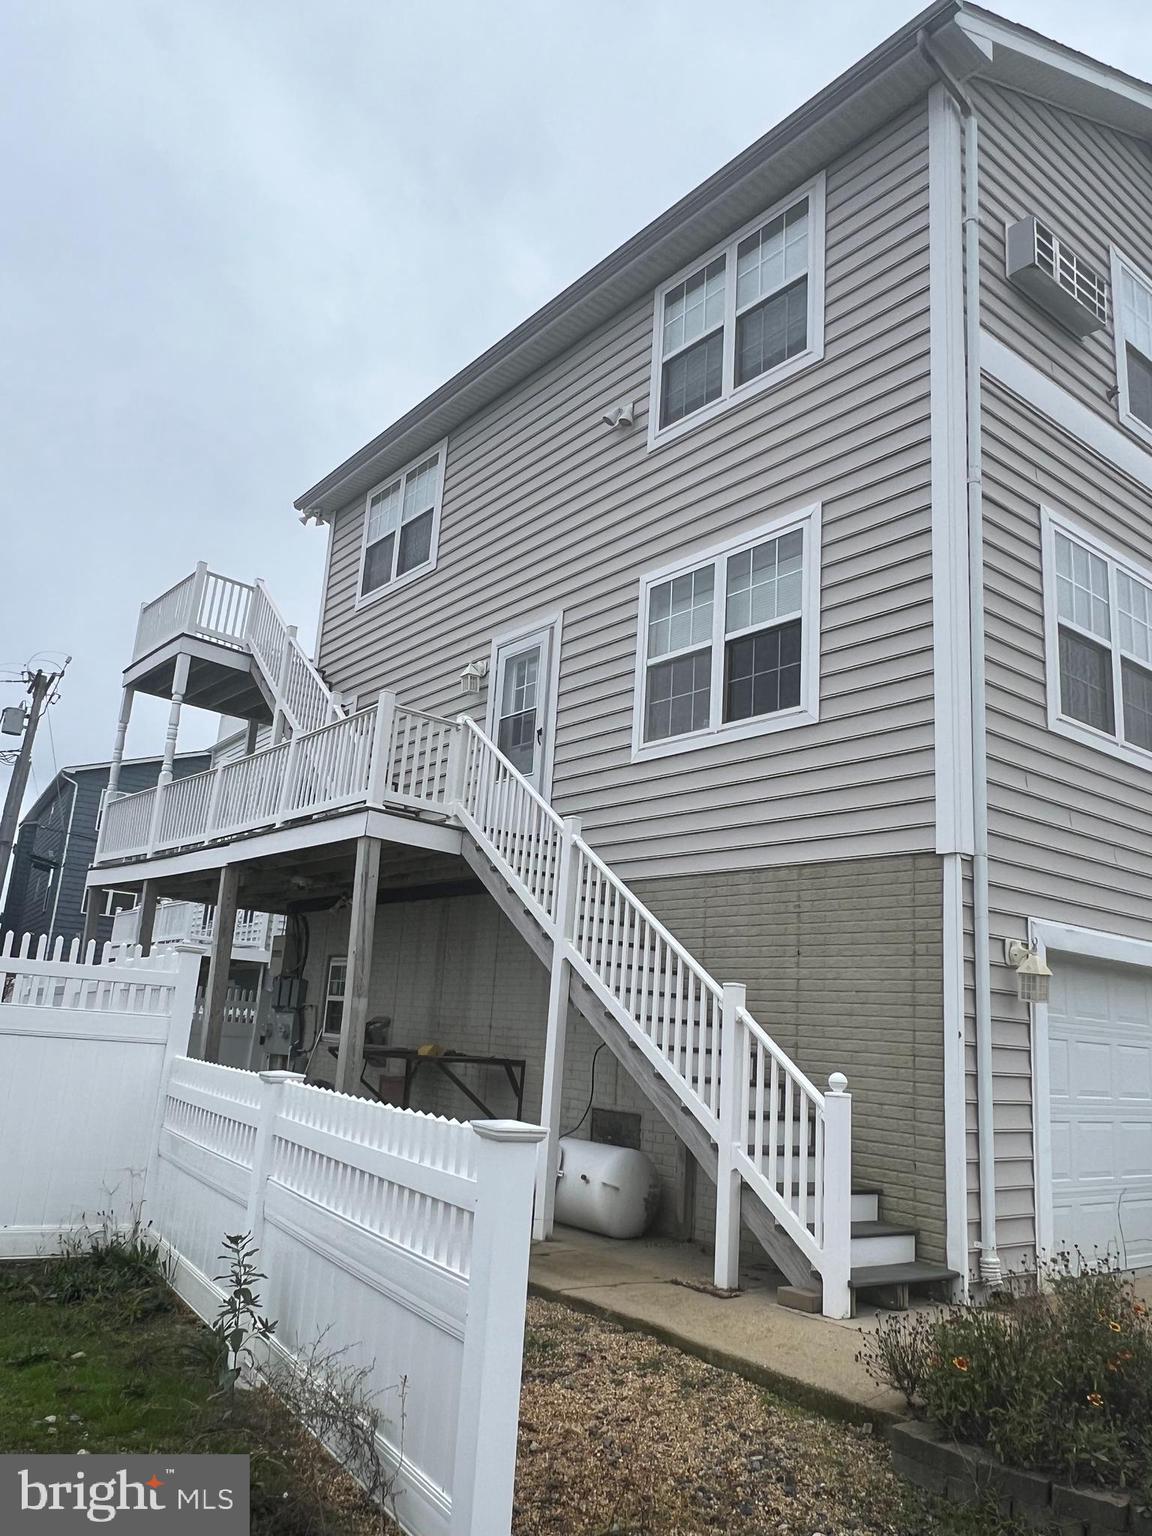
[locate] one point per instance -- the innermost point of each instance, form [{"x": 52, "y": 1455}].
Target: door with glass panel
[{"x": 521, "y": 722}]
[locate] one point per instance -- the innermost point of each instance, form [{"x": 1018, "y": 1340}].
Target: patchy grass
[
  {"x": 621, "y": 1435},
  {"x": 133, "y": 1371}
]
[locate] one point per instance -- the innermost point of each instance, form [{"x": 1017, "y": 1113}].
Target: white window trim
[
  {"x": 807, "y": 712},
  {"x": 554, "y": 621},
  {"x": 440, "y": 450},
  {"x": 1119, "y": 262},
  {"x": 334, "y": 1034},
  {"x": 1050, "y": 524},
  {"x": 732, "y": 394}
]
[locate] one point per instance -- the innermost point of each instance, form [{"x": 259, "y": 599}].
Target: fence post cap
[
  {"x": 837, "y": 1083},
  {"x": 281, "y": 1077},
  {"x": 508, "y": 1130}
]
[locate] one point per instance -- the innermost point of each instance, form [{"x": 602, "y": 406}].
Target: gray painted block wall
[{"x": 842, "y": 964}]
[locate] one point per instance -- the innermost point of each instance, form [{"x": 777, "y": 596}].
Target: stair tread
[
  {"x": 911, "y": 1273},
  {"x": 882, "y": 1229}
]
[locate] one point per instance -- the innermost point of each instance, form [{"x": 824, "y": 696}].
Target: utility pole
[{"x": 39, "y": 685}]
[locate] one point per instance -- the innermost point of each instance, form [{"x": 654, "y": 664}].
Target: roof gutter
[{"x": 991, "y": 1270}]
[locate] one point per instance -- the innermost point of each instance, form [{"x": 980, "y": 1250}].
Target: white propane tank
[{"x": 613, "y": 1190}]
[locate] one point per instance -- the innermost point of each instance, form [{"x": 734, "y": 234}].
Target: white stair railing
[
  {"x": 300, "y": 692},
  {"x": 787, "y": 1142}
]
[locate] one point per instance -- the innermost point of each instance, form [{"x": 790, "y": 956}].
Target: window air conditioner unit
[{"x": 1043, "y": 267}]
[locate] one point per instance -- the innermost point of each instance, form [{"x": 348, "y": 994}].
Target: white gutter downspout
[{"x": 991, "y": 1271}]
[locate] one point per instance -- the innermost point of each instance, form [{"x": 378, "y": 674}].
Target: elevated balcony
[
  {"x": 385, "y": 758},
  {"x": 243, "y": 658}
]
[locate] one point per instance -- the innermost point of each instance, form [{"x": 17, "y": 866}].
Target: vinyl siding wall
[
  {"x": 546, "y": 507},
  {"x": 1070, "y": 827},
  {"x": 1093, "y": 187}
]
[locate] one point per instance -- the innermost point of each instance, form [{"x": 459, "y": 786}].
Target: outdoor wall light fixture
[
  {"x": 472, "y": 677},
  {"x": 1032, "y": 975}
]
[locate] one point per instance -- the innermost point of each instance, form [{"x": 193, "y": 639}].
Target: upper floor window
[
  {"x": 401, "y": 525},
  {"x": 743, "y": 316},
  {"x": 1098, "y": 611},
  {"x": 1132, "y": 321},
  {"x": 730, "y": 640}
]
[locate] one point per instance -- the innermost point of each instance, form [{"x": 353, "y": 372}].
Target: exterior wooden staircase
[{"x": 778, "y": 1148}]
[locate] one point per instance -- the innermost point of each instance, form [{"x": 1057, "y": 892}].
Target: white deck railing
[
  {"x": 242, "y": 616},
  {"x": 779, "y": 1136},
  {"x": 787, "y": 1142},
  {"x": 382, "y": 756},
  {"x": 188, "y": 922}
]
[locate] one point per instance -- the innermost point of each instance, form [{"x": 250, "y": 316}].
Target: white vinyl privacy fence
[{"x": 400, "y": 1237}]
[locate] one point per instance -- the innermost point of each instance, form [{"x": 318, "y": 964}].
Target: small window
[
  {"x": 401, "y": 523},
  {"x": 1099, "y": 619},
  {"x": 729, "y": 643},
  {"x": 334, "y": 994},
  {"x": 742, "y": 317},
  {"x": 1132, "y": 319}
]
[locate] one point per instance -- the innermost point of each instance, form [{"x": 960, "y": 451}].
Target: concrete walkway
[{"x": 649, "y": 1284}]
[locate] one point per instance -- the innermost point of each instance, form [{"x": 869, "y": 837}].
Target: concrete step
[{"x": 876, "y": 1243}]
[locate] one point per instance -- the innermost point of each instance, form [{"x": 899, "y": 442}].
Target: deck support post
[
  {"x": 555, "y": 1040},
  {"x": 726, "y": 1257},
  {"x": 179, "y": 688},
  {"x": 127, "y": 697},
  {"x": 147, "y": 919},
  {"x": 361, "y": 932},
  {"x": 220, "y": 959}
]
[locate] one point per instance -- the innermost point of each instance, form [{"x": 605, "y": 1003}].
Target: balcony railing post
[
  {"x": 457, "y": 763},
  {"x": 380, "y": 763},
  {"x": 289, "y": 639},
  {"x": 732, "y": 1135},
  {"x": 836, "y": 1270},
  {"x": 212, "y": 813},
  {"x": 199, "y": 586},
  {"x": 283, "y": 808}
]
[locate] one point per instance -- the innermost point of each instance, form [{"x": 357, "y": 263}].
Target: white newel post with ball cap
[
  {"x": 837, "y": 1202},
  {"x": 733, "y": 1058}
]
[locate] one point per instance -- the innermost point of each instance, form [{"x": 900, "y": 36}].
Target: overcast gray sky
[{"x": 239, "y": 237}]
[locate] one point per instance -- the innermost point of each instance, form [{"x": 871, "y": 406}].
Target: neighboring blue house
[{"x": 57, "y": 841}]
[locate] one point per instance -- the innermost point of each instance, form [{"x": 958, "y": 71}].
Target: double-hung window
[
  {"x": 1132, "y": 326},
  {"x": 744, "y": 316},
  {"x": 1098, "y": 608},
  {"x": 401, "y": 525},
  {"x": 730, "y": 640},
  {"x": 334, "y": 983}
]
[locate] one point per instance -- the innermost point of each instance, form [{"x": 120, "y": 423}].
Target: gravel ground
[{"x": 621, "y": 1435}]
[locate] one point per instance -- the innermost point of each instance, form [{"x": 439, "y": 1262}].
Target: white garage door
[{"x": 1100, "y": 1027}]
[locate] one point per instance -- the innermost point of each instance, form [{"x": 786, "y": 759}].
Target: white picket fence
[
  {"x": 239, "y": 1029},
  {"x": 401, "y": 1237}
]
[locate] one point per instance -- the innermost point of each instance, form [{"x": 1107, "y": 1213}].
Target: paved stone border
[{"x": 923, "y": 1454}]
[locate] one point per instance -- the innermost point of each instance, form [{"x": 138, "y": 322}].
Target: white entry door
[
  {"x": 1100, "y": 1045},
  {"x": 521, "y": 706}
]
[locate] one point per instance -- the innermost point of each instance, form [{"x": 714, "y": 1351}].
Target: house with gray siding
[
  {"x": 733, "y": 695},
  {"x": 55, "y": 845}
]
